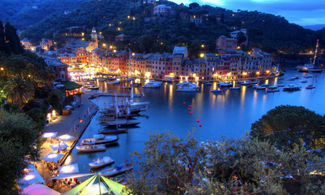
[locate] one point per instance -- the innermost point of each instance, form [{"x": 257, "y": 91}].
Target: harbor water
[{"x": 229, "y": 114}]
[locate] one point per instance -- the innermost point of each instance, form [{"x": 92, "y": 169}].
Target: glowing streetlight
[
  {"x": 104, "y": 44},
  {"x": 202, "y": 55},
  {"x": 267, "y": 72},
  {"x": 258, "y": 73},
  {"x": 147, "y": 75},
  {"x": 203, "y": 46},
  {"x": 133, "y": 54},
  {"x": 133, "y": 18},
  {"x": 82, "y": 34}
]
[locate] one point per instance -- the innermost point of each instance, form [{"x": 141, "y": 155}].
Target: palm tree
[{"x": 19, "y": 91}]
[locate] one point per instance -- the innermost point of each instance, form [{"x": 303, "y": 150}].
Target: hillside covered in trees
[{"x": 148, "y": 33}]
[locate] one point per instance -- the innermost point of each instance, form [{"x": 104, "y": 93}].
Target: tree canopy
[
  {"x": 18, "y": 139},
  {"x": 288, "y": 126},
  {"x": 170, "y": 165}
]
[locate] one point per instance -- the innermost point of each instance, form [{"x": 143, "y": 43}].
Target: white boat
[
  {"x": 255, "y": 82},
  {"x": 114, "y": 82},
  {"x": 91, "y": 148},
  {"x": 308, "y": 76},
  {"x": 293, "y": 78},
  {"x": 187, "y": 87},
  {"x": 245, "y": 83},
  {"x": 273, "y": 87},
  {"x": 224, "y": 84},
  {"x": 111, "y": 139},
  {"x": 118, "y": 170},
  {"x": 291, "y": 88},
  {"x": 257, "y": 87},
  {"x": 106, "y": 160},
  {"x": 234, "y": 88},
  {"x": 216, "y": 91},
  {"x": 310, "y": 86},
  {"x": 272, "y": 90},
  {"x": 152, "y": 84}
]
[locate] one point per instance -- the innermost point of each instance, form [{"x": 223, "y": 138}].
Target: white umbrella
[
  {"x": 59, "y": 146},
  {"x": 52, "y": 157},
  {"x": 65, "y": 137},
  {"x": 39, "y": 189},
  {"x": 49, "y": 135},
  {"x": 72, "y": 168}
]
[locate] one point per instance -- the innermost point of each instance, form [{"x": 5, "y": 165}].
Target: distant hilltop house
[
  {"x": 235, "y": 34},
  {"x": 162, "y": 10},
  {"x": 194, "y": 16},
  {"x": 60, "y": 69},
  {"x": 224, "y": 42},
  {"x": 46, "y": 44},
  {"x": 27, "y": 45}
]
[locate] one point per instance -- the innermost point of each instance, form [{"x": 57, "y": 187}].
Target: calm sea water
[{"x": 229, "y": 115}]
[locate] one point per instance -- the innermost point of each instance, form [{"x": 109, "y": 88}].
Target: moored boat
[
  {"x": 116, "y": 131},
  {"x": 310, "y": 86},
  {"x": 152, "y": 84},
  {"x": 234, "y": 88},
  {"x": 216, "y": 91},
  {"x": 106, "y": 160},
  {"x": 121, "y": 123},
  {"x": 117, "y": 170},
  {"x": 291, "y": 88},
  {"x": 91, "y": 148},
  {"x": 107, "y": 140}
]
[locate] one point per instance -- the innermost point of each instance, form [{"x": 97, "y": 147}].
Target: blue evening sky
[{"x": 302, "y": 12}]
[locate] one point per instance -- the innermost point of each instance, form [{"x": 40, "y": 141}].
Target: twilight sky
[{"x": 302, "y": 12}]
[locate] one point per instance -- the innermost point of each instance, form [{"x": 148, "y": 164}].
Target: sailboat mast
[{"x": 316, "y": 51}]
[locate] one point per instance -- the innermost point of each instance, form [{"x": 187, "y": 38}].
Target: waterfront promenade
[{"x": 74, "y": 125}]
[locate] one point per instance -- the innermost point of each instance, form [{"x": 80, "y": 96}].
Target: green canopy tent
[{"x": 104, "y": 186}]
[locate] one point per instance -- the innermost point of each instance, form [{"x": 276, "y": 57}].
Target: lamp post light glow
[
  {"x": 267, "y": 72},
  {"x": 202, "y": 55},
  {"x": 258, "y": 73},
  {"x": 148, "y": 75}
]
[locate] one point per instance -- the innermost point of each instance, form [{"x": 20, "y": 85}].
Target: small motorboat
[
  {"x": 116, "y": 131},
  {"x": 273, "y": 87},
  {"x": 308, "y": 76},
  {"x": 216, "y": 91},
  {"x": 234, "y": 88},
  {"x": 121, "y": 123},
  {"x": 224, "y": 84},
  {"x": 255, "y": 82},
  {"x": 112, "y": 139},
  {"x": 280, "y": 85},
  {"x": 187, "y": 87},
  {"x": 91, "y": 148},
  {"x": 310, "y": 86},
  {"x": 208, "y": 83},
  {"x": 106, "y": 160},
  {"x": 114, "y": 82},
  {"x": 265, "y": 85},
  {"x": 273, "y": 90},
  {"x": 152, "y": 84},
  {"x": 291, "y": 88},
  {"x": 245, "y": 83},
  {"x": 117, "y": 170},
  {"x": 304, "y": 81},
  {"x": 258, "y": 87},
  {"x": 293, "y": 78}
]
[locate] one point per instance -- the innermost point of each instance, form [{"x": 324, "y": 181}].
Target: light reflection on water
[{"x": 229, "y": 114}]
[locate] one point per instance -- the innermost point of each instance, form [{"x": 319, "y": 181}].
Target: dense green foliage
[
  {"x": 288, "y": 126},
  {"x": 170, "y": 165},
  {"x": 18, "y": 139}
]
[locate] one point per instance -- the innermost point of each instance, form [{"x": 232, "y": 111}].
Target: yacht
[
  {"x": 152, "y": 84},
  {"x": 273, "y": 89},
  {"x": 258, "y": 87},
  {"x": 187, "y": 87},
  {"x": 311, "y": 67},
  {"x": 117, "y": 170},
  {"x": 246, "y": 83},
  {"x": 101, "y": 162}
]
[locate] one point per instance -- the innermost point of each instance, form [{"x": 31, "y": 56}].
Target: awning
[
  {"x": 52, "y": 157},
  {"x": 68, "y": 176}
]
